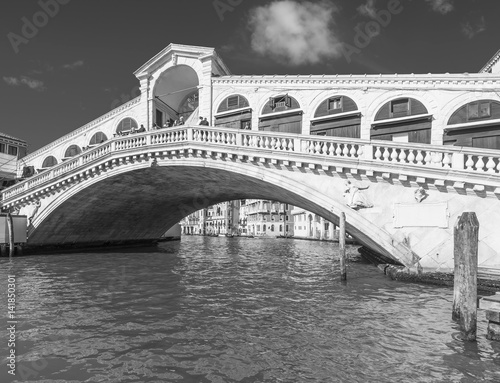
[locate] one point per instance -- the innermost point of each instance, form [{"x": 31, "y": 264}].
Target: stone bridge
[{"x": 136, "y": 187}]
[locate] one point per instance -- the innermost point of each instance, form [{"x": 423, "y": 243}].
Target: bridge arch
[
  {"x": 96, "y": 210},
  {"x": 175, "y": 93}
]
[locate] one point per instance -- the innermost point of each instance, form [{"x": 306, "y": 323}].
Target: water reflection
[{"x": 233, "y": 310}]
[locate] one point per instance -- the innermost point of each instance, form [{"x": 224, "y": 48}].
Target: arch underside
[{"x": 142, "y": 204}]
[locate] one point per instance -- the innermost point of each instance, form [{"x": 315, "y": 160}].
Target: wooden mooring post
[
  {"x": 466, "y": 235},
  {"x": 10, "y": 228},
  {"x": 343, "y": 271}
]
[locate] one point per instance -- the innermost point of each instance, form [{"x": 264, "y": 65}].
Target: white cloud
[
  {"x": 442, "y": 6},
  {"x": 295, "y": 32},
  {"x": 73, "y": 65},
  {"x": 26, "y": 81},
  {"x": 368, "y": 9},
  {"x": 470, "y": 30}
]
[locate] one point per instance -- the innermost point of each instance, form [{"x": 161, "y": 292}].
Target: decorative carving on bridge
[
  {"x": 420, "y": 194},
  {"x": 355, "y": 199}
]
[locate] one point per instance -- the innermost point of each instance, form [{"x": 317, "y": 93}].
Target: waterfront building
[
  {"x": 268, "y": 218},
  {"x": 222, "y": 218},
  {"x": 12, "y": 151},
  {"x": 311, "y": 226}
]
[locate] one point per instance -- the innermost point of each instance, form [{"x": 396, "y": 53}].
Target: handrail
[{"x": 474, "y": 161}]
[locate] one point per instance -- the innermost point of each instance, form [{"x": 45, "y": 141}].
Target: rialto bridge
[{"x": 305, "y": 136}]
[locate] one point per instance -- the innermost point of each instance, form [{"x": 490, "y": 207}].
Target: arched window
[
  {"x": 411, "y": 122},
  {"x": 289, "y": 121},
  {"x": 98, "y": 138},
  {"x": 241, "y": 118},
  {"x": 72, "y": 151},
  {"x": 49, "y": 162},
  {"x": 332, "y": 118},
  {"x": 475, "y": 127},
  {"x": 126, "y": 125}
]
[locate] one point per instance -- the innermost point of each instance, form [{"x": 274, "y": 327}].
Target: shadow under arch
[{"x": 140, "y": 202}]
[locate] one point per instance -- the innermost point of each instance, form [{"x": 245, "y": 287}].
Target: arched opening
[
  {"x": 98, "y": 138},
  {"x": 475, "y": 124},
  {"x": 337, "y": 116},
  {"x": 176, "y": 95},
  {"x": 72, "y": 151},
  {"x": 281, "y": 114},
  {"x": 49, "y": 162},
  {"x": 126, "y": 126},
  {"x": 403, "y": 120},
  {"x": 234, "y": 112}
]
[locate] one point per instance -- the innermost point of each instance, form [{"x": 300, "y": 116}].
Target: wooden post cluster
[
  {"x": 466, "y": 235},
  {"x": 343, "y": 271}
]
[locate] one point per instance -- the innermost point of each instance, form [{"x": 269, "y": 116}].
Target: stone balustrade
[{"x": 371, "y": 153}]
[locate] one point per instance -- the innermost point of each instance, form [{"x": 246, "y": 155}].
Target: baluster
[
  {"x": 428, "y": 158},
  {"x": 290, "y": 145},
  {"x": 402, "y": 156},
  {"x": 338, "y": 150},
  {"x": 394, "y": 154},
  {"x": 480, "y": 163},
  {"x": 324, "y": 148},
  {"x": 386, "y": 154},
  {"x": 352, "y": 152},
  {"x": 411, "y": 156},
  {"x": 359, "y": 152},
  {"x": 317, "y": 148},
  {"x": 245, "y": 140},
  {"x": 447, "y": 161},
  {"x": 490, "y": 165},
  {"x": 378, "y": 153}
]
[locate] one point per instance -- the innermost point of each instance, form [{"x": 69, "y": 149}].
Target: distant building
[
  {"x": 222, "y": 218},
  {"x": 268, "y": 218},
  {"x": 11, "y": 150},
  {"x": 312, "y": 226}
]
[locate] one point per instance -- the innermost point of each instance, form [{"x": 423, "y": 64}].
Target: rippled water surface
[{"x": 232, "y": 310}]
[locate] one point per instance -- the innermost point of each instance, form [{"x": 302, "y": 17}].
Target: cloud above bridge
[
  {"x": 295, "y": 33},
  {"x": 25, "y": 81}
]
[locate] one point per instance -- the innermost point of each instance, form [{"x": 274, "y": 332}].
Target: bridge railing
[{"x": 479, "y": 161}]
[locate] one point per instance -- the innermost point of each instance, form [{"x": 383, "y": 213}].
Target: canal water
[{"x": 216, "y": 309}]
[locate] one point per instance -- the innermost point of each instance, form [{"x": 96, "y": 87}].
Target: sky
[{"x": 64, "y": 63}]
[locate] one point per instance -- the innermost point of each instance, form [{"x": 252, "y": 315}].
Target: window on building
[
  {"x": 13, "y": 150},
  {"x": 72, "y": 151},
  {"x": 272, "y": 227},
  {"x": 478, "y": 110},
  {"x": 49, "y": 162},
  {"x": 400, "y": 108},
  {"x": 280, "y": 101},
  {"x": 2, "y": 148},
  {"x": 335, "y": 103},
  {"x": 233, "y": 101},
  {"x": 126, "y": 125},
  {"x": 98, "y": 138}
]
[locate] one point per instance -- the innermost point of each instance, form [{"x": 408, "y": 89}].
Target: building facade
[{"x": 12, "y": 151}]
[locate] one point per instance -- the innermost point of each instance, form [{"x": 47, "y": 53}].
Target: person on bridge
[
  {"x": 181, "y": 120},
  {"x": 204, "y": 122},
  {"x": 142, "y": 129}
]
